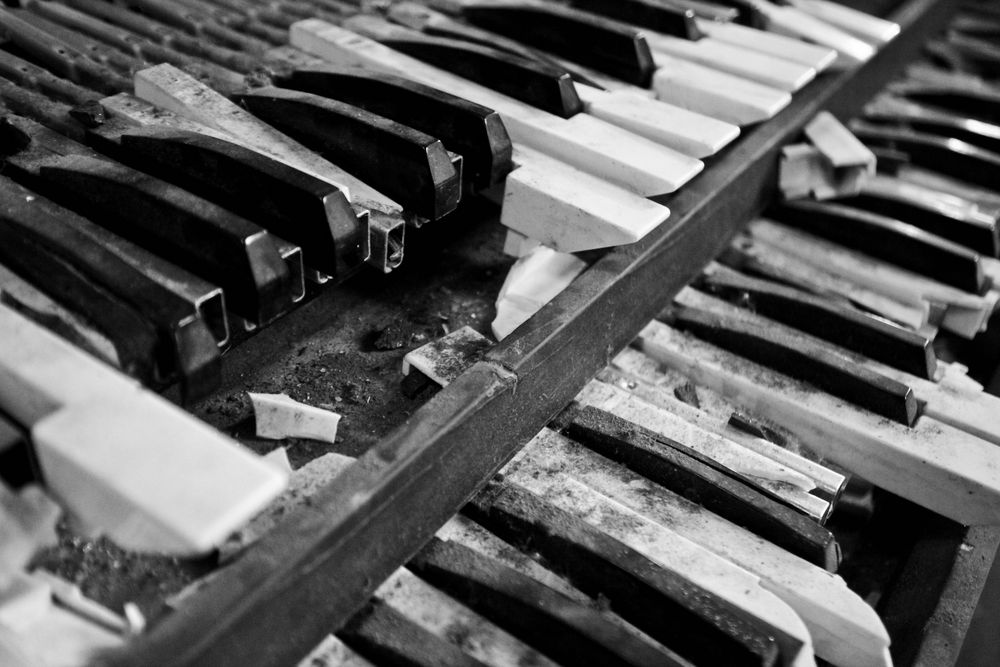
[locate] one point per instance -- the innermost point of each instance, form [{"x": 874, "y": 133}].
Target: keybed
[{"x": 236, "y": 617}]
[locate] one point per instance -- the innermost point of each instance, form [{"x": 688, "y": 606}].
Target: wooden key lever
[
  {"x": 472, "y": 130},
  {"x": 123, "y": 460},
  {"x": 803, "y": 359},
  {"x": 289, "y": 202},
  {"x": 826, "y": 318},
  {"x": 158, "y": 335},
  {"x": 607, "y": 46},
  {"x": 564, "y": 629},
  {"x": 697, "y": 478},
  {"x": 687, "y": 619}
]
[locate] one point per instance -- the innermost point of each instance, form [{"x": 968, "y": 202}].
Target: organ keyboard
[{"x": 313, "y": 572}]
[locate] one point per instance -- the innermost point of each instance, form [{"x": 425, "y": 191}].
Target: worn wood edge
[{"x": 320, "y": 566}]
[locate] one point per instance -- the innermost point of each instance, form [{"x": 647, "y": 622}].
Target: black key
[
  {"x": 387, "y": 637},
  {"x": 43, "y": 239},
  {"x": 950, "y": 156},
  {"x": 801, "y": 357},
  {"x": 409, "y": 166},
  {"x": 833, "y": 321},
  {"x": 31, "y": 76},
  {"x": 541, "y": 85},
  {"x": 181, "y": 227},
  {"x": 196, "y": 23},
  {"x": 934, "y": 120},
  {"x": 565, "y": 630},
  {"x": 664, "y": 18},
  {"x": 32, "y": 104},
  {"x": 688, "y": 620},
  {"x": 706, "y": 10},
  {"x": 17, "y": 465},
  {"x": 133, "y": 43},
  {"x": 746, "y": 12},
  {"x": 109, "y": 57},
  {"x": 974, "y": 228},
  {"x": 965, "y": 101},
  {"x": 604, "y": 44},
  {"x": 166, "y": 36},
  {"x": 700, "y": 480},
  {"x": 475, "y": 131},
  {"x": 288, "y": 202},
  {"x": 890, "y": 239},
  {"x": 418, "y": 17},
  {"x": 58, "y": 57}
]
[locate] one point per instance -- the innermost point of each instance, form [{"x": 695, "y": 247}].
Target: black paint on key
[
  {"x": 906, "y": 245},
  {"x": 606, "y": 45},
  {"x": 672, "y": 467},
  {"x": 387, "y": 637},
  {"x": 825, "y": 318},
  {"x": 293, "y": 204},
  {"x": 539, "y": 84},
  {"x": 474, "y": 131},
  {"x": 803, "y": 358},
  {"x": 565, "y": 630},
  {"x": 409, "y": 166},
  {"x": 685, "y": 618}
]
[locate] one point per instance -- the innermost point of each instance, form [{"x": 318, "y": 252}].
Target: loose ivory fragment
[
  {"x": 931, "y": 463},
  {"x": 589, "y": 144},
  {"x": 532, "y": 282},
  {"x": 278, "y": 417}
]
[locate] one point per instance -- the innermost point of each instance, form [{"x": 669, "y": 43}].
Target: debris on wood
[{"x": 443, "y": 360}]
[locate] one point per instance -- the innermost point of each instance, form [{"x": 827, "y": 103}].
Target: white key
[
  {"x": 813, "y": 55},
  {"x": 691, "y": 133},
  {"x": 632, "y": 162},
  {"x": 123, "y": 459},
  {"x": 844, "y": 629},
  {"x": 714, "y": 93},
  {"x": 780, "y": 73},
  {"x": 864, "y": 26},
  {"x": 932, "y": 464},
  {"x": 786, "y": 20},
  {"x": 570, "y": 210}
]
